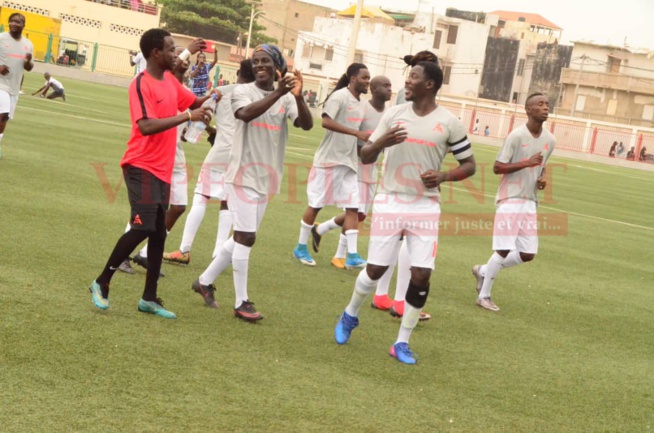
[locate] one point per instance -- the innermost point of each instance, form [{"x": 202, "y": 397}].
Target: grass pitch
[{"x": 570, "y": 350}]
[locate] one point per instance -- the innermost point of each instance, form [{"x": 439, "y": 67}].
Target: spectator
[
  {"x": 631, "y": 155},
  {"x": 55, "y": 85},
  {"x": 200, "y": 73},
  {"x": 486, "y": 131},
  {"x": 475, "y": 130},
  {"x": 643, "y": 153},
  {"x": 138, "y": 60},
  {"x": 620, "y": 149},
  {"x": 612, "y": 149}
]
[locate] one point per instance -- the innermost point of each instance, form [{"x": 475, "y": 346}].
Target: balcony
[
  {"x": 608, "y": 81},
  {"x": 135, "y": 5}
]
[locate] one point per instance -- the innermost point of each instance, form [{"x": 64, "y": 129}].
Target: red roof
[{"x": 533, "y": 19}]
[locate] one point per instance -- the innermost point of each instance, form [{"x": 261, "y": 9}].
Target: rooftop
[{"x": 533, "y": 19}]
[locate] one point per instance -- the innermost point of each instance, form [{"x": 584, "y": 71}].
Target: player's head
[
  {"x": 421, "y": 56},
  {"x": 16, "y": 23},
  {"x": 380, "y": 87},
  {"x": 180, "y": 66},
  {"x": 267, "y": 60},
  {"x": 46, "y": 75},
  {"x": 244, "y": 74},
  {"x": 425, "y": 79},
  {"x": 537, "y": 107},
  {"x": 158, "y": 46}
]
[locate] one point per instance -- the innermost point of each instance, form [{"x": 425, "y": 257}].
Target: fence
[{"x": 579, "y": 135}]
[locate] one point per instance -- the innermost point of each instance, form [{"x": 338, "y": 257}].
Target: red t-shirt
[{"x": 150, "y": 98}]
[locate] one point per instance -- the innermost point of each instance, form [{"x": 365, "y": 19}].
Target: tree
[{"x": 220, "y": 20}]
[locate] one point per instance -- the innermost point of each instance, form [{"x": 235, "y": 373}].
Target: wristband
[
  {"x": 185, "y": 55},
  {"x": 189, "y": 115}
]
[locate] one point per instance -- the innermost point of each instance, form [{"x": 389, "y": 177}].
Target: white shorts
[
  {"x": 247, "y": 207},
  {"x": 179, "y": 187},
  {"x": 516, "y": 227},
  {"x": 366, "y": 195},
  {"x": 211, "y": 182},
  {"x": 8, "y": 103},
  {"x": 394, "y": 215},
  {"x": 337, "y": 185}
]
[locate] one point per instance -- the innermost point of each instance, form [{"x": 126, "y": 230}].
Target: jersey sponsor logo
[
  {"x": 137, "y": 220},
  {"x": 438, "y": 128},
  {"x": 420, "y": 141},
  {"x": 354, "y": 119},
  {"x": 524, "y": 145},
  {"x": 266, "y": 126}
]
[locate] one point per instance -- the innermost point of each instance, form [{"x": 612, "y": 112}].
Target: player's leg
[
  {"x": 316, "y": 191},
  {"x": 5, "y": 114},
  {"x": 346, "y": 194},
  {"x": 527, "y": 239},
  {"x": 381, "y": 300},
  {"x": 319, "y": 230},
  {"x": 225, "y": 222},
  {"x": 191, "y": 227}
]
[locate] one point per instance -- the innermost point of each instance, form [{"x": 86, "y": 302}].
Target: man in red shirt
[{"x": 158, "y": 103}]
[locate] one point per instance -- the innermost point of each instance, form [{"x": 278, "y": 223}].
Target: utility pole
[
  {"x": 253, "y": 15},
  {"x": 574, "y": 98},
  {"x": 351, "y": 49}
]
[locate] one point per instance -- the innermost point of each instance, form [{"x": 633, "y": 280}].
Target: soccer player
[
  {"x": 380, "y": 89},
  {"x": 200, "y": 73},
  {"x": 256, "y": 164},
  {"x": 211, "y": 182},
  {"x": 521, "y": 162},
  {"x": 55, "y": 85},
  {"x": 333, "y": 177},
  {"x": 415, "y": 137},
  {"x": 156, "y": 98},
  {"x": 16, "y": 54}
]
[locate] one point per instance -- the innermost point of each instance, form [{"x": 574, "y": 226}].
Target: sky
[{"x": 603, "y": 23}]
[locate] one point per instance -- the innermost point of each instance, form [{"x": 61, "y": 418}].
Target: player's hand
[
  {"x": 216, "y": 92},
  {"x": 183, "y": 134},
  {"x": 432, "y": 178},
  {"x": 299, "y": 82},
  {"x": 196, "y": 45},
  {"x": 393, "y": 136},
  {"x": 28, "y": 57},
  {"x": 202, "y": 114},
  {"x": 363, "y": 136},
  {"x": 4, "y": 69},
  {"x": 541, "y": 183},
  {"x": 535, "y": 160},
  {"x": 286, "y": 83}
]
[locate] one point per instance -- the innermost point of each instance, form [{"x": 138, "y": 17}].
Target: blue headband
[{"x": 276, "y": 55}]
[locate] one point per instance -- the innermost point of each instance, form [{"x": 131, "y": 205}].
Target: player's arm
[
  {"x": 391, "y": 137},
  {"x": 38, "y": 91},
  {"x": 512, "y": 167},
  {"x": 154, "y": 126},
  {"x": 45, "y": 89},
  {"x": 304, "y": 119},
  {"x": 215, "y": 57},
  {"x": 257, "y": 108},
  {"x": 332, "y": 125},
  {"x": 29, "y": 65},
  {"x": 467, "y": 167}
]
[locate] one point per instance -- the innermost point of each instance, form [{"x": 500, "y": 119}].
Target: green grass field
[{"x": 570, "y": 351}]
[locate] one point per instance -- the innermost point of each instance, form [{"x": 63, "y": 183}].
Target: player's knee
[
  {"x": 420, "y": 276},
  {"x": 527, "y": 257},
  {"x": 416, "y": 295},
  {"x": 4, "y": 117},
  {"x": 362, "y": 217},
  {"x": 375, "y": 272},
  {"x": 245, "y": 238}
]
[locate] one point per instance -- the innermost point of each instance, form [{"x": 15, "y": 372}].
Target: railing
[
  {"x": 135, "y": 5},
  {"x": 608, "y": 81}
]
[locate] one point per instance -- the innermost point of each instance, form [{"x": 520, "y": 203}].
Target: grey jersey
[
  {"x": 257, "y": 157},
  {"x": 518, "y": 146},
  {"x": 367, "y": 173},
  {"x": 225, "y": 125},
  {"x": 336, "y": 148},
  {"x": 429, "y": 139},
  {"x": 12, "y": 54}
]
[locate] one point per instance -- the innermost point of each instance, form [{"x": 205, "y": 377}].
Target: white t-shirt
[
  {"x": 429, "y": 139},
  {"x": 54, "y": 84},
  {"x": 12, "y": 54},
  {"x": 257, "y": 157},
  {"x": 140, "y": 62},
  {"x": 336, "y": 148},
  {"x": 225, "y": 125},
  {"x": 367, "y": 173},
  {"x": 180, "y": 157},
  {"x": 520, "y": 145}
]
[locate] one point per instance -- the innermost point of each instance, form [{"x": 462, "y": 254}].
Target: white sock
[
  {"x": 327, "y": 226},
  {"x": 512, "y": 259},
  {"x": 218, "y": 264},
  {"x": 385, "y": 281},
  {"x": 492, "y": 269},
  {"x": 342, "y": 247},
  {"x": 352, "y": 237},
  {"x": 362, "y": 288},
  {"x": 305, "y": 231},
  {"x": 240, "y": 262},
  {"x": 193, "y": 221},
  {"x": 409, "y": 321},
  {"x": 128, "y": 228},
  {"x": 403, "y": 272},
  {"x": 224, "y": 228}
]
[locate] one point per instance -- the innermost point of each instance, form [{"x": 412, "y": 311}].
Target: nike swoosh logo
[
  {"x": 159, "y": 100},
  {"x": 112, "y": 268}
]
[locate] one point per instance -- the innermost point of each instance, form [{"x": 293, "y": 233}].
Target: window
[
  {"x": 521, "y": 67},
  {"x": 612, "y": 107},
  {"x": 437, "y": 39},
  {"x": 451, "y": 34},
  {"x": 447, "y": 70},
  {"x": 581, "y": 103},
  {"x": 297, "y": 15},
  {"x": 306, "y": 51},
  {"x": 358, "y": 56},
  {"x": 329, "y": 54}
]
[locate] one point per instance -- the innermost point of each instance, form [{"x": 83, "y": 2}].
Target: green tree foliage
[{"x": 221, "y": 20}]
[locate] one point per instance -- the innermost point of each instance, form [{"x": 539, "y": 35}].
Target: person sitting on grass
[{"x": 55, "y": 85}]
